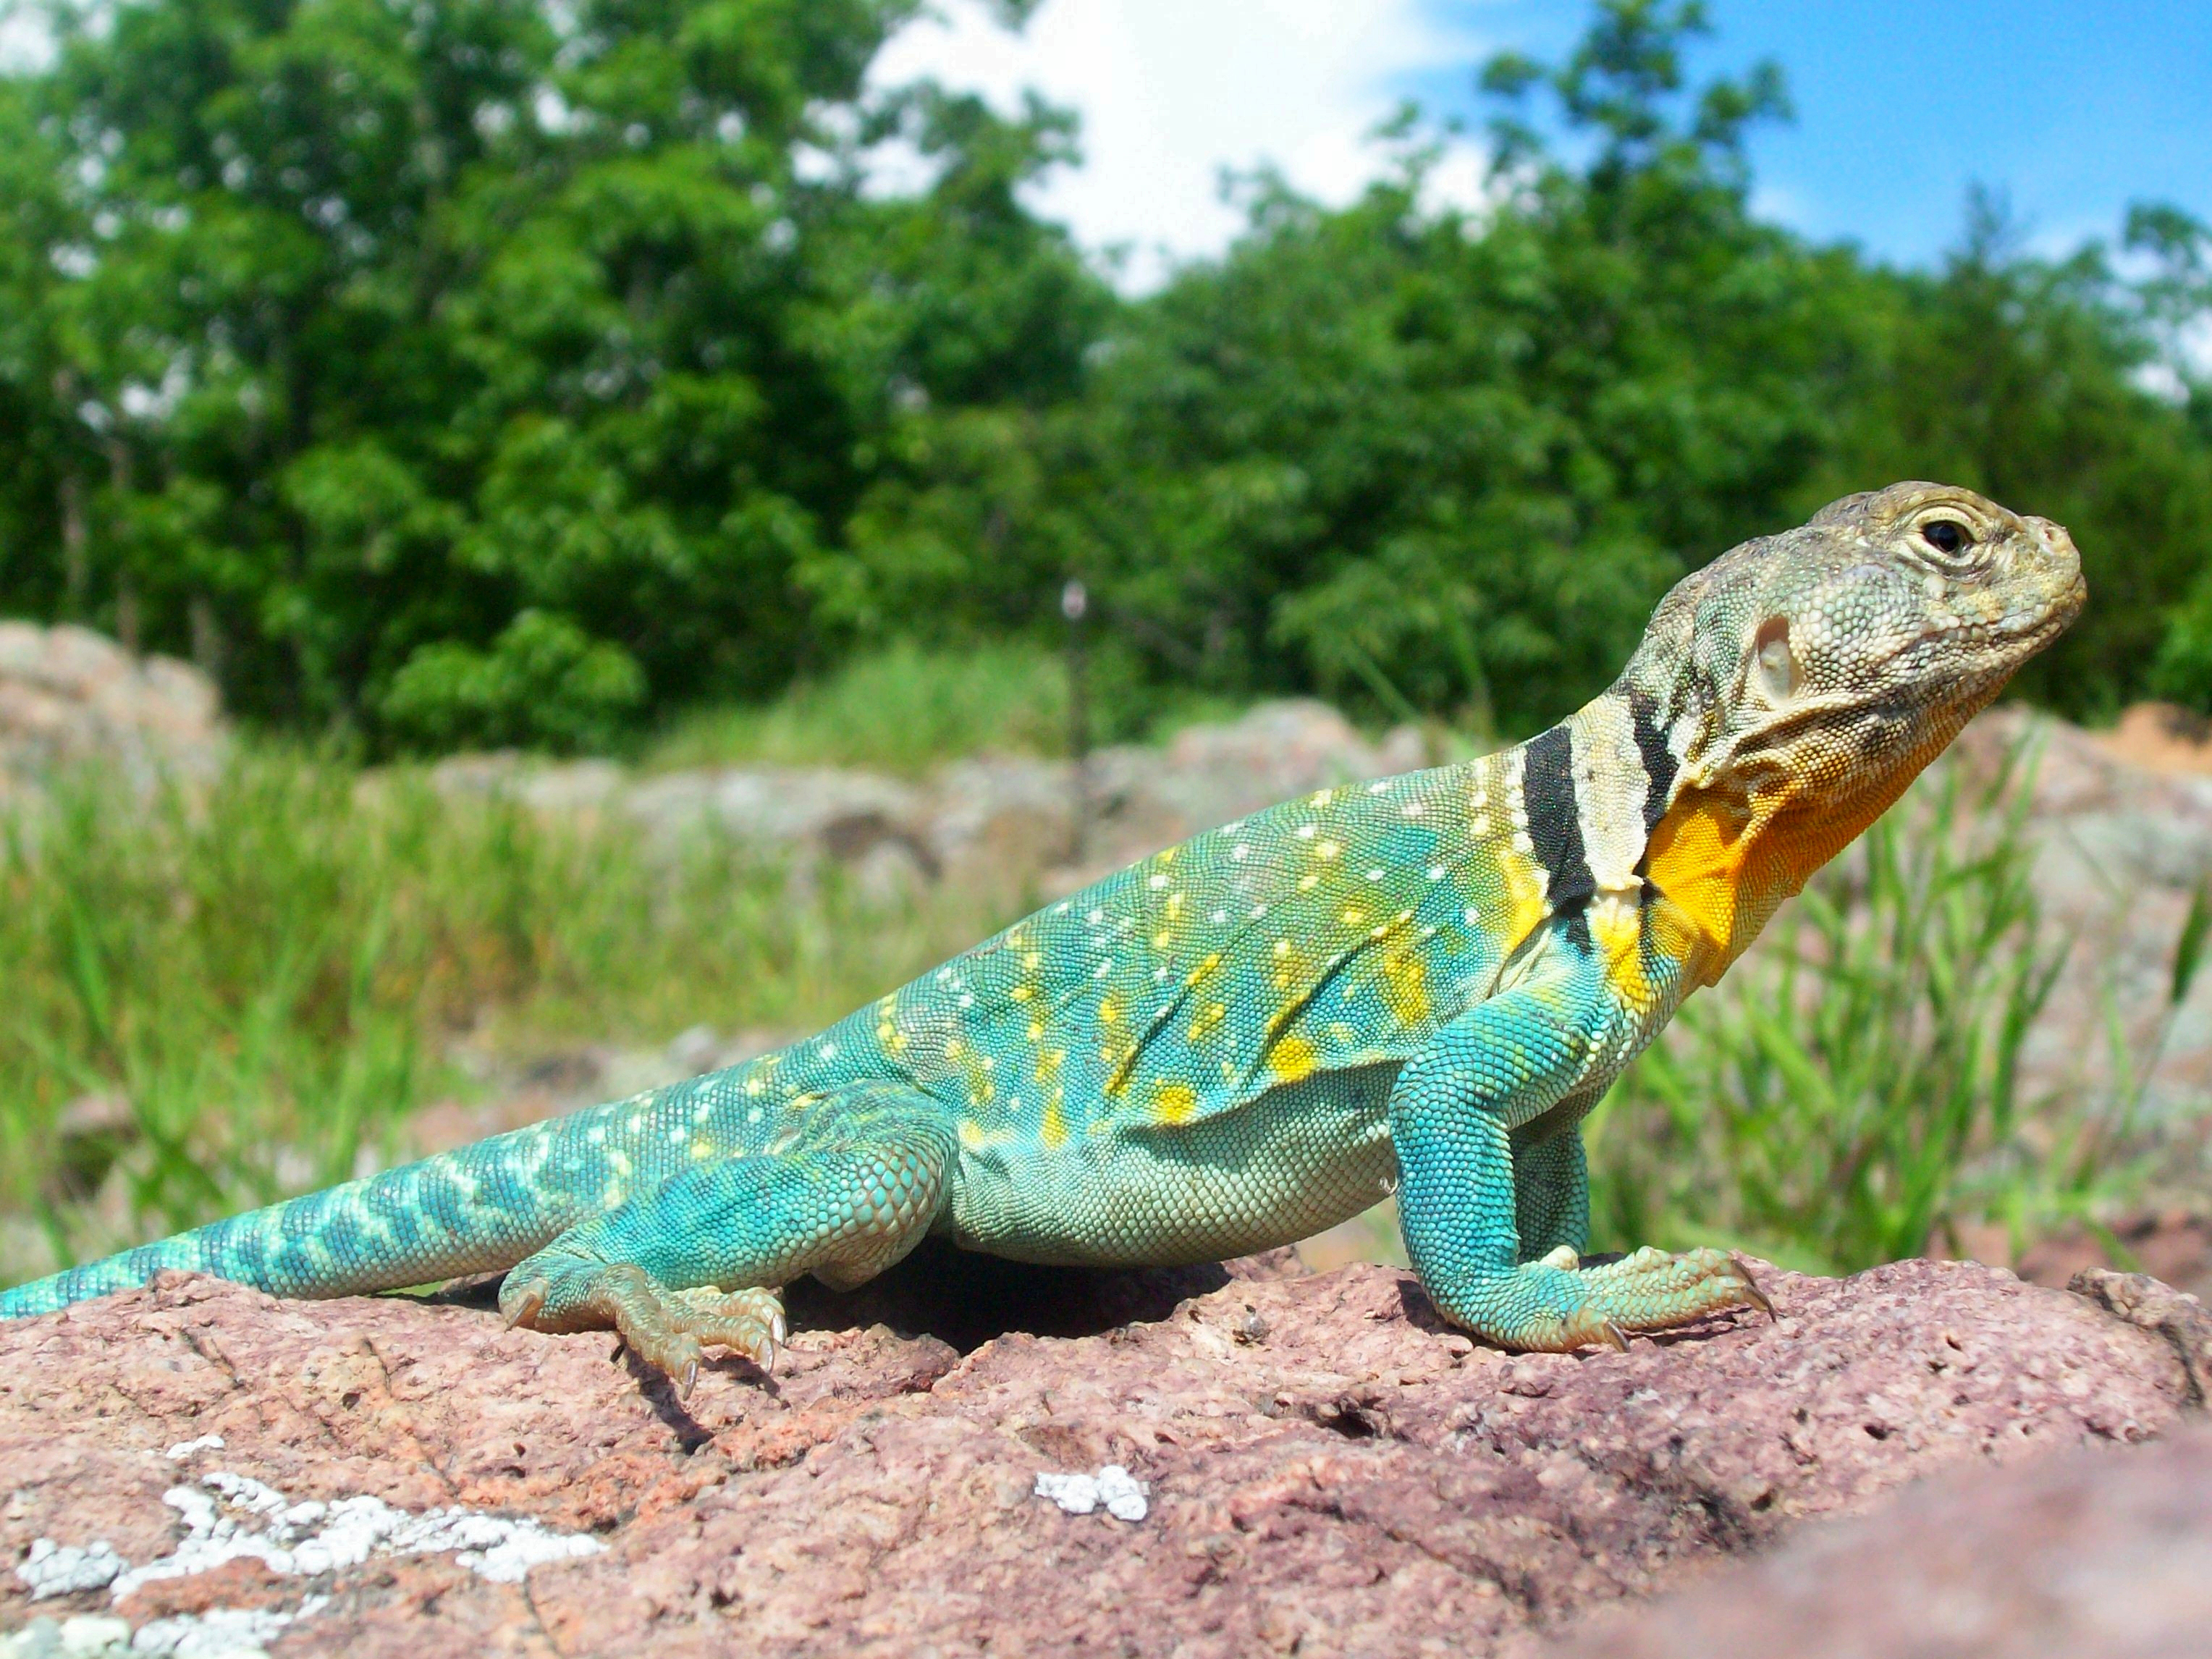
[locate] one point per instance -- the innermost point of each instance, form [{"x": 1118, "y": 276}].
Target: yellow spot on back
[
  {"x": 1052, "y": 1133},
  {"x": 1292, "y": 1058},
  {"x": 1524, "y": 893},
  {"x": 1207, "y": 1018},
  {"x": 1405, "y": 988},
  {"x": 1174, "y": 1103}
]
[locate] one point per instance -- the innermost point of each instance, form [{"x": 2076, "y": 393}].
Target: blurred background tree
[{"x": 484, "y": 372}]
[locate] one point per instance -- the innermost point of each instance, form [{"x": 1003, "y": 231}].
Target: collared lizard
[{"x": 1420, "y": 983}]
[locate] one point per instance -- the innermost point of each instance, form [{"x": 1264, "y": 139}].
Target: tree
[{"x": 396, "y": 326}]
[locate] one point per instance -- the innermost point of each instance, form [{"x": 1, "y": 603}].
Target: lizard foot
[
  {"x": 666, "y": 1328},
  {"x": 1555, "y": 1305},
  {"x": 1653, "y": 1290}
]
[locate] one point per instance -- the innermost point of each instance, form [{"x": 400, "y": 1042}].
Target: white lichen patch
[
  {"x": 1121, "y": 1493},
  {"x": 52, "y": 1569},
  {"x": 230, "y": 1517},
  {"x": 220, "y": 1633},
  {"x": 313, "y": 1537}
]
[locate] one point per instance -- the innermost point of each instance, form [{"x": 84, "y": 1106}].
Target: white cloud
[{"x": 1172, "y": 91}]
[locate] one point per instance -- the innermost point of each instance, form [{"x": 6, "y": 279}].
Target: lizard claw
[
  {"x": 687, "y": 1380},
  {"x": 527, "y": 1301},
  {"x": 1757, "y": 1297},
  {"x": 1614, "y": 1337}
]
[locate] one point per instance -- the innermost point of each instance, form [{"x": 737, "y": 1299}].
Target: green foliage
[
  {"x": 269, "y": 975},
  {"x": 1854, "y": 1090},
  {"x": 336, "y": 338},
  {"x": 544, "y": 682},
  {"x": 341, "y": 332}
]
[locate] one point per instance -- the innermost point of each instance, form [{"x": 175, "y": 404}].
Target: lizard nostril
[{"x": 1776, "y": 663}]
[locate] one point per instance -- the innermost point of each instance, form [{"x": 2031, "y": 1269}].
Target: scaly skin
[{"x": 1422, "y": 983}]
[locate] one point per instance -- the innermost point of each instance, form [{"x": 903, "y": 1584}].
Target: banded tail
[{"x": 475, "y": 1209}]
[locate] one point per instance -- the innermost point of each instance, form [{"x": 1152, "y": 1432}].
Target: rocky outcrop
[
  {"x": 984, "y": 820},
  {"x": 971, "y": 1456},
  {"x": 71, "y": 698},
  {"x": 2122, "y": 853},
  {"x": 2092, "y": 1555},
  {"x": 2099, "y": 1553}
]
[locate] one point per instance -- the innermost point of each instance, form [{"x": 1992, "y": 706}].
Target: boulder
[
  {"x": 2102, "y": 1553},
  {"x": 2094, "y": 1555},
  {"x": 993, "y": 822},
  {"x": 2121, "y": 853},
  {"x": 71, "y": 698},
  {"x": 970, "y": 1456}
]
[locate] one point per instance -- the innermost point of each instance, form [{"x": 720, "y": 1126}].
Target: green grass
[
  {"x": 900, "y": 710},
  {"x": 907, "y": 708},
  {"x": 271, "y": 975}
]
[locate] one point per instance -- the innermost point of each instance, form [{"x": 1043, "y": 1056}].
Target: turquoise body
[{"x": 1233, "y": 1044}]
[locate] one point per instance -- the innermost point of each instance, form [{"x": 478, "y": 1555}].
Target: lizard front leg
[
  {"x": 700, "y": 1258},
  {"x": 1551, "y": 1197},
  {"x": 1460, "y": 1202}
]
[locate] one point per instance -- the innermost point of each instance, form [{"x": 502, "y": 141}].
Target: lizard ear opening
[{"x": 1773, "y": 662}]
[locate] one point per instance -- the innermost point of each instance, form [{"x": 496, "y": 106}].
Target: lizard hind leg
[{"x": 699, "y": 1259}]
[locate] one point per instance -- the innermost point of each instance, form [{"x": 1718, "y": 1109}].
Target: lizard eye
[{"x": 1946, "y": 535}]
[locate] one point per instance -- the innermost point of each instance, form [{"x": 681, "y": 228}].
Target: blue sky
[{"x": 2072, "y": 109}]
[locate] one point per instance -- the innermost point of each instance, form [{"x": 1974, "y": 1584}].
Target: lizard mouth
[{"x": 2011, "y": 640}]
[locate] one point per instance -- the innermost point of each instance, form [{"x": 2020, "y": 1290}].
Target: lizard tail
[{"x": 469, "y": 1210}]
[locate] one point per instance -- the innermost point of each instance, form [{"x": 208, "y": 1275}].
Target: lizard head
[{"x": 1802, "y": 680}]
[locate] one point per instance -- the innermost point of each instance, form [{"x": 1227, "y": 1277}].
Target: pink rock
[{"x": 1326, "y": 1470}]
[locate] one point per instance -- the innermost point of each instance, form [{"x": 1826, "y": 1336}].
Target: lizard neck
[
  {"x": 1729, "y": 857},
  {"x": 1695, "y": 854}
]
